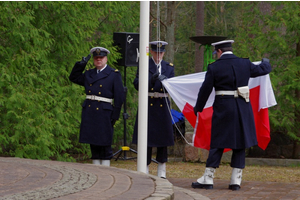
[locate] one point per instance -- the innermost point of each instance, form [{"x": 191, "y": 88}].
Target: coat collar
[
  {"x": 226, "y": 52},
  {"x": 227, "y": 56},
  {"x": 97, "y": 76},
  {"x": 153, "y": 66}
]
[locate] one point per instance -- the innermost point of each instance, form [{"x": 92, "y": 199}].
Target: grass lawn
[{"x": 195, "y": 170}]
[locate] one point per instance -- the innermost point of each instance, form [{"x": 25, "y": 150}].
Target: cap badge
[
  {"x": 98, "y": 51},
  {"x": 159, "y": 44}
]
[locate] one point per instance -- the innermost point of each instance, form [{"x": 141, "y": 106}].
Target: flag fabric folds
[{"x": 184, "y": 91}]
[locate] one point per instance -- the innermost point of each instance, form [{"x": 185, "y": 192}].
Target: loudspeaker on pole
[{"x": 128, "y": 44}]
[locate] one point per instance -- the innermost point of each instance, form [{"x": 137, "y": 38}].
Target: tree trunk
[
  {"x": 151, "y": 21},
  {"x": 199, "y": 53},
  {"x": 170, "y": 35},
  {"x": 296, "y": 147}
]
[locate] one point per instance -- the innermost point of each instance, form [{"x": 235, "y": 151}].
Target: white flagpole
[{"x": 143, "y": 87}]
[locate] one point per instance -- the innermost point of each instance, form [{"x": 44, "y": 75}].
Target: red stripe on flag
[
  {"x": 202, "y": 135},
  {"x": 261, "y": 119},
  {"x": 203, "y": 130},
  {"x": 188, "y": 112}
]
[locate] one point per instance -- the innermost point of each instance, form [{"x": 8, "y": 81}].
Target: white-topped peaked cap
[
  {"x": 99, "y": 51},
  {"x": 158, "y": 46},
  {"x": 223, "y": 43}
]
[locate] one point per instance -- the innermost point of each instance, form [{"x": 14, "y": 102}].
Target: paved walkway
[
  {"x": 249, "y": 190},
  {"x": 24, "y": 179}
]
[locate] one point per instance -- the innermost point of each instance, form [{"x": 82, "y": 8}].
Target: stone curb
[
  {"x": 163, "y": 188},
  {"x": 273, "y": 162}
]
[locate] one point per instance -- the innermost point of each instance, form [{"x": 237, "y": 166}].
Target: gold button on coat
[
  {"x": 91, "y": 84},
  {"x": 151, "y": 104},
  {"x": 100, "y": 85},
  {"x": 97, "y": 108},
  {"x": 99, "y": 92},
  {"x": 161, "y": 105}
]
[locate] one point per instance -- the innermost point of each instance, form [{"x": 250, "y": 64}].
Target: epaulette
[
  {"x": 171, "y": 64},
  {"x": 116, "y": 70},
  {"x": 87, "y": 69}
]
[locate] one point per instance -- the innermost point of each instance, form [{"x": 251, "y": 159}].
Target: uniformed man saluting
[
  {"x": 101, "y": 108},
  {"x": 160, "y": 130}
]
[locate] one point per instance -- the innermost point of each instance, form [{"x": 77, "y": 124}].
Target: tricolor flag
[{"x": 184, "y": 91}]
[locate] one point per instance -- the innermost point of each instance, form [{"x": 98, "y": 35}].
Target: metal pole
[
  {"x": 125, "y": 115},
  {"x": 143, "y": 87}
]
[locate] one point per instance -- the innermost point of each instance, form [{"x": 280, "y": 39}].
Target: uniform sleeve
[
  {"x": 76, "y": 75},
  {"x": 204, "y": 91},
  {"x": 119, "y": 96},
  {"x": 259, "y": 70}
]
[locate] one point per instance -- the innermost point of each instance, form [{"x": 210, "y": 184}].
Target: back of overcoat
[
  {"x": 96, "y": 127},
  {"x": 232, "y": 121}
]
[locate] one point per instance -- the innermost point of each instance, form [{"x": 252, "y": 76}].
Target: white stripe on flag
[{"x": 185, "y": 88}]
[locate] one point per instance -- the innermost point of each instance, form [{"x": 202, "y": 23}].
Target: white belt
[
  {"x": 157, "y": 94},
  {"x": 97, "y": 98},
  {"x": 225, "y": 92},
  {"x": 242, "y": 91}
]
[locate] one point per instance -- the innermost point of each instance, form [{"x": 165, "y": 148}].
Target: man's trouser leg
[
  {"x": 213, "y": 162},
  {"x": 237, "y": 164},
  {"x": 101, "y": 154},
  {"x": 162, "y": 158}
]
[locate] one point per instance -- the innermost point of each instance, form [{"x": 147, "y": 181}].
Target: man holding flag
[
  {"x": 233, "y": 124},
  {"x": 160, "y": 129}
]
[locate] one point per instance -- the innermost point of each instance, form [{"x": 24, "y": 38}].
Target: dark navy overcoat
[
  {"x": 232, "y": 121},
  {"x": 160, "y": 129},
  {"x": 96, "y": 127}
]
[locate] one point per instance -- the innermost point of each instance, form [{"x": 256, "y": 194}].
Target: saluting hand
[{"x": 86, "y": 59}]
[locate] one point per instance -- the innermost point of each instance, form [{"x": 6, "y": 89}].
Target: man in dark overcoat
[
  {"x": 101, "y": 108},
  {"x": 232, "y": 121},
  {"x": 160, "y": 129}
]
